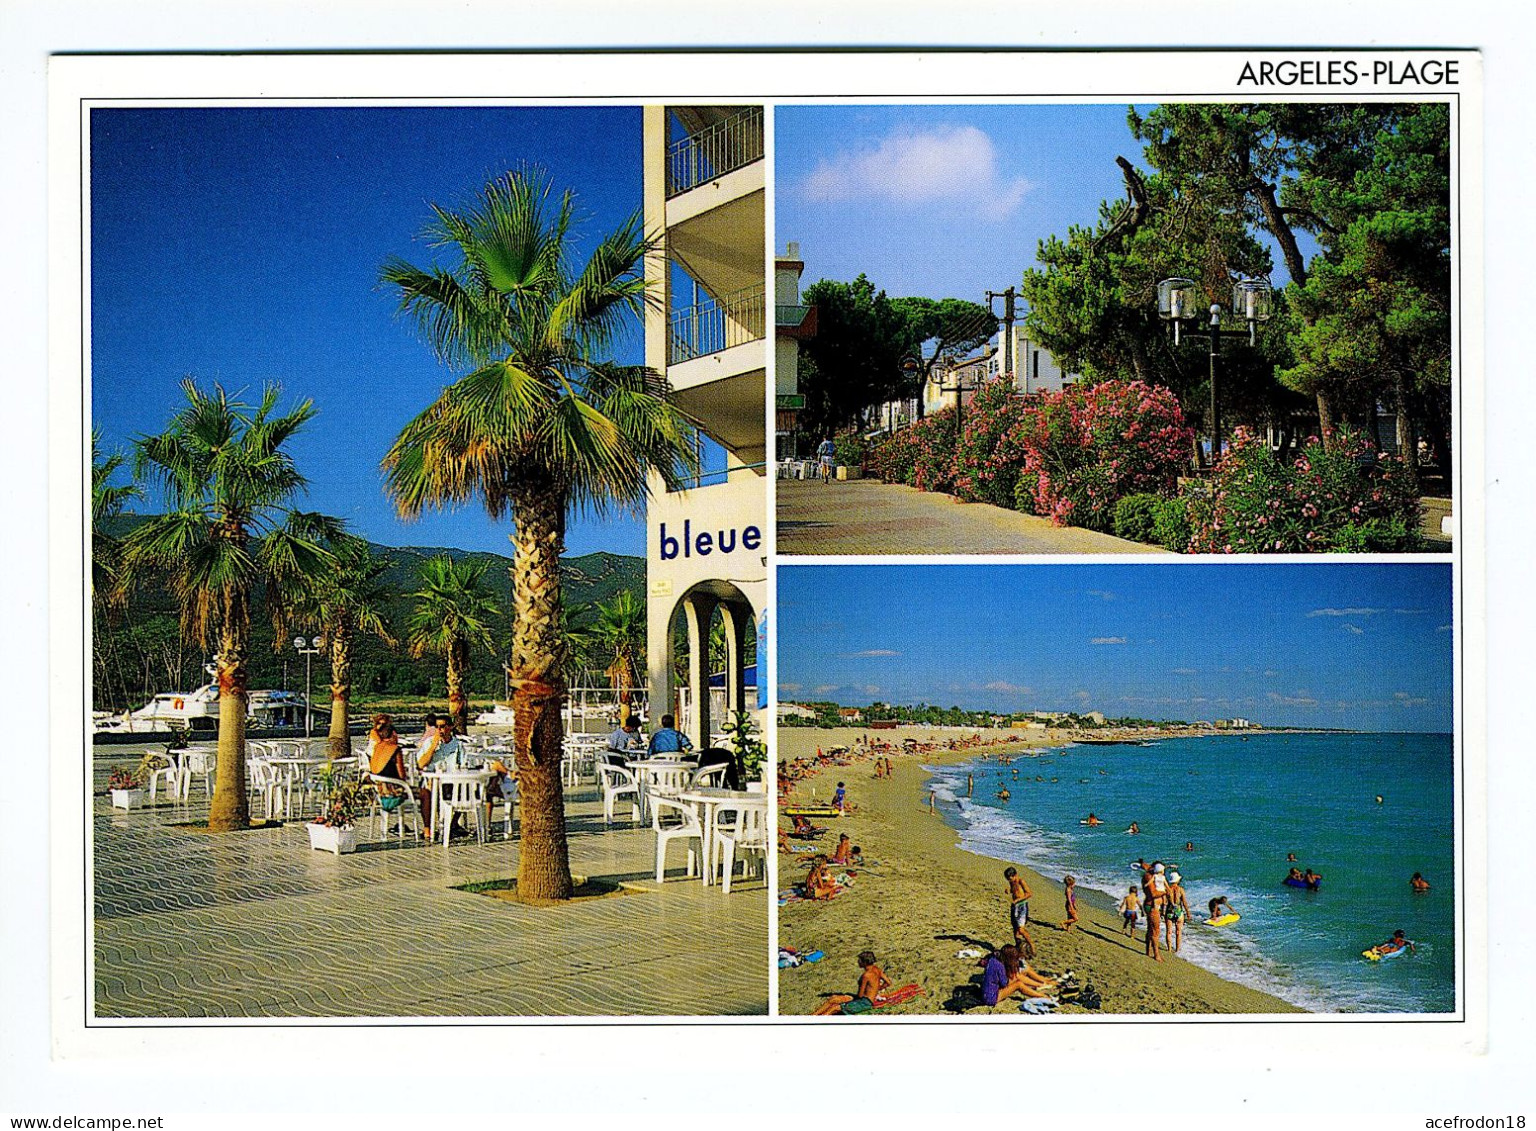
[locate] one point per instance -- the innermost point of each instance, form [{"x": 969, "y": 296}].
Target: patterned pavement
[{"x": 257, "y": 924}]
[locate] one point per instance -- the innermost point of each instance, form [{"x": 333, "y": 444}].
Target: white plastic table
[
  {"x": 709, "y": 801},
  {"x": 438, "y": 779}
]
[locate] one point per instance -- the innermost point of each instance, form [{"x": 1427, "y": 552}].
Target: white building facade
[{"x": 706, "y": 546}]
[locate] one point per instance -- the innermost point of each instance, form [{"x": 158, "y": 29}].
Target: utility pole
[{"x": 1008, "y": 298}]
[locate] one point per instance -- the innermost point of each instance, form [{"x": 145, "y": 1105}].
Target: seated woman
[
  {"x": 872, "y": 981},
  {"x": 386, "y": 760},
  {"x": 1007, "y": 974},
  {"x": 818, "y": 883}
]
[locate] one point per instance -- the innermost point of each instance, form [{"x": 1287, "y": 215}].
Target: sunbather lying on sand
[{"x": 818, "y": 882}]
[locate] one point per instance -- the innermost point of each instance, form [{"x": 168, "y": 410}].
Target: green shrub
[
  {"x": 1170, "y": 524},
  {"x": 848, "y": 448},
  {"x": 1135, "y": 517}
]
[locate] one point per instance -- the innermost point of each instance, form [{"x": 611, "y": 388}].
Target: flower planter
[
  {"x": 327, "y": 838},
  {"x": 127, "y": 799}
]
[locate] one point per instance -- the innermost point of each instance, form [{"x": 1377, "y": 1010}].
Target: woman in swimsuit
[{"x": 1177, "y": 911}]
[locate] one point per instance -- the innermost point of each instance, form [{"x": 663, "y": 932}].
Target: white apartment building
[
  {"x": 793, "y": 322},
  {"x": 706, "y": 546}
]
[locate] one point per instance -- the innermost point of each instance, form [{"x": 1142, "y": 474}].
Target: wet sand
[{"x": 926, "y": 899}]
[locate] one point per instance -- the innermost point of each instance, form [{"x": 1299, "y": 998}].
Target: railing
[
  {"x": 717, "y": 324},
  {"x": 788, "y": 315},
  {"x": 715, "y": 150}
]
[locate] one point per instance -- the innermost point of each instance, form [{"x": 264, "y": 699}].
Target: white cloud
[
  {"x": 1004, "y": 685},
  {"x": 871, "y": 689},
  {"x": 1107, "y": 640},
  {"x": 870, "y": 652},
  {"x": 1443, "y": 628},
  {"x": 790, "y": 687},
  {"x": 822, "y": 689},
  {"x": 954, "y": 164},
  {"x": 1081, "y": 696},
  {"x": 1405, "y": 700},
  {"x": 1345, "y": 612},
  {"x": 1353, "y": 628},
  {"x": 1302, "y": 698},
  {"x": 1103, "y": 593}
]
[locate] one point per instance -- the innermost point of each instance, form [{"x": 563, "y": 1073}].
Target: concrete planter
[
  {"x": 326, "y": 838},
  {"x": 850, "y": 472},
  {"x": 127, "y": 799}
]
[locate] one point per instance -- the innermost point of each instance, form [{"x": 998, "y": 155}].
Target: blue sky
[
  {"x": 944, "y": 201},
  {"x": 243, "y": 246},
  {"x": 1359, "y": 645}
]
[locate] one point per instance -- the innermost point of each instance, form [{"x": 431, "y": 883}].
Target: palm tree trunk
[
  {"x": 458, "y": 701},
  {"x": 339, "y": 742},
  {"x": 229, "y": 809},
  {"x": 544, "y": 867}
]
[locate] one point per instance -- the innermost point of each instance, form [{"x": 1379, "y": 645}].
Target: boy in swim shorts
[
  {"x": 1018, "y": 913},
  {"x": 1130, "y": 907}
]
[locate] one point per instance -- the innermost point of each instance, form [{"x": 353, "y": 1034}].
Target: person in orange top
[{"x": 872, "y": 982}]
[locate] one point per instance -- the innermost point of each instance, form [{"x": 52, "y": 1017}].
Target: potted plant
[
  {"x": 335, "y": 829},
  {"x": 127, "y": 789},
  {"x": 748, "y": 748}
]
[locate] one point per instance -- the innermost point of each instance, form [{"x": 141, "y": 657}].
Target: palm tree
[
  {"x": 108, "y": 501},
  {"x": 536, "y": 427},
  {"x": 227, "y": 533},
  {"x": 454, "y": 612},
  {"x": 342, "y": 603},
  {"x": 620, "y": 635}
]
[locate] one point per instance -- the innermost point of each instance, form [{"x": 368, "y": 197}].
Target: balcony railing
[
  {"x": 717, "y": 324},
  {"x": 715, "y": 151},
  {"x": 789, "y": 315}
]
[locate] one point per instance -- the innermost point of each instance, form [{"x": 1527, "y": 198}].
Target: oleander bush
[
  {"x": 990, "y": 452},
  {"x": 921, "y": 455},
  {"x": 1087, "y": 447},
  {"x": 1350, "y": 499}
]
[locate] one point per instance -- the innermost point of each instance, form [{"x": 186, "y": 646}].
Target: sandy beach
[{"x": 921, "y": 899}]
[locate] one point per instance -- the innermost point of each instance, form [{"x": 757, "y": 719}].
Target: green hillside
[{"x": 141, "y": 652}]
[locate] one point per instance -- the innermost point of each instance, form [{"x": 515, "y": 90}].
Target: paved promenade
[
  {"x": 257, "y": 924},
  {"x": 865, "y": 516}
]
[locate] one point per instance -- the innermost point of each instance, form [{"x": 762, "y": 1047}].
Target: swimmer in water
[
  {"x": 1003, "y": 794},
  {"x": 1189, "y": 846},
  {"x": 1418, "y": 883},
  {"x": 1092, "y": 821},
  {"x": 1378, "y": 799},
  {"x": 1135, "y": 828}
]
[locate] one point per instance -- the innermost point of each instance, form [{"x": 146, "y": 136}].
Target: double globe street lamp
[
  {"x": 308, "y": 649},
  {"x": 1180, "y": 301}
]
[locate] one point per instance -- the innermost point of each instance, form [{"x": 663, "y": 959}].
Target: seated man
[
  {"x": 668, "y": 739},
  {"x": 626, "y": 739}
]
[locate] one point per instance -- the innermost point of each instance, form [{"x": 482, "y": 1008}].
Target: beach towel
[{"x": 899, "y": 995}]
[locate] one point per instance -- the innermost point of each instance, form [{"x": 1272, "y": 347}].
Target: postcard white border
[{"x": 875, "y": 76}]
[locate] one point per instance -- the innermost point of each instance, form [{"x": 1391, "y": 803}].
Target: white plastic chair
[
  {"x": 668, "y": 781},
  {"x": 708, "y": 775},
  {"x": 171, "y": 772},
  {"x": 460, "y": 793},
  {"x": 407, "y": 808},
  {"x": 676, "y": 820},
  {"x": 747, "y": 834},
  {"x": 508, "y": 802},
  {"x": 197, "y": 760},
  {"x": 618, "y": 782}
]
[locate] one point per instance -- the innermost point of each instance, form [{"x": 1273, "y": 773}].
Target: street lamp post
[
  {"x": 309, "y": 650},
  {"x": 1179, "y": 299}
]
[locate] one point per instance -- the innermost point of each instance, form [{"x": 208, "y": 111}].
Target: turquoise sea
[{"x": 1245, "y": 803}]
